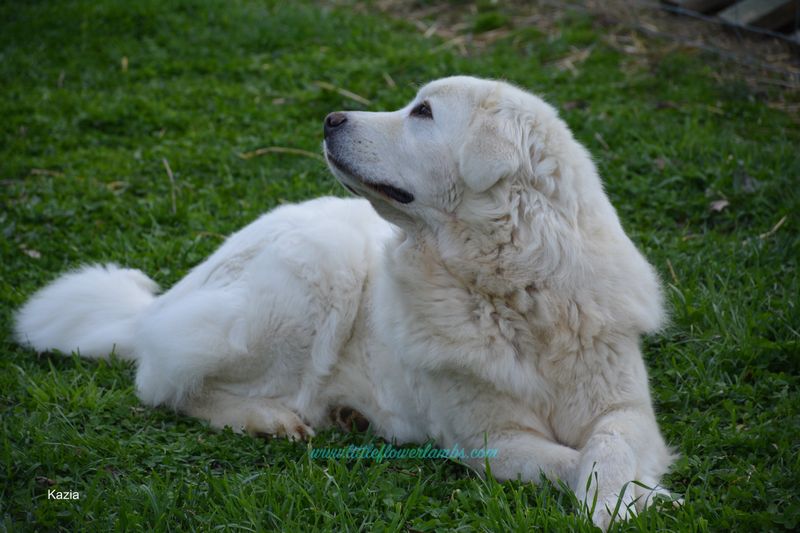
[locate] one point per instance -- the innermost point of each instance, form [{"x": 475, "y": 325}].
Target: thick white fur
[
  {"x": 92, "y": 309},
  {"x": 503, "y": 306}
]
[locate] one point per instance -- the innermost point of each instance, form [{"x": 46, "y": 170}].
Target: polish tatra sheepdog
[{"x": 482, "y": 293}]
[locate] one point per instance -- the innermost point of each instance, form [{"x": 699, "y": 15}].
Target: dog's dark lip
[{"x": 395, "y": 193}]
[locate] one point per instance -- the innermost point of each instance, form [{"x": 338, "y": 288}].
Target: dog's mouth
[{"x": 395, "y": 193}]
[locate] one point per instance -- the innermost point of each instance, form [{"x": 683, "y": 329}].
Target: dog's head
[
  {"x": 471, "y": 156},
  {"x": 416, "y": 164},
  {"x": 459, "y": 135},
  {"x": 490, "y": 174}
]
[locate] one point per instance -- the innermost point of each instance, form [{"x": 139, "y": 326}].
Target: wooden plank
[
  {"x": 701, "y": 6},
  {"x": 771, "y": 14}
]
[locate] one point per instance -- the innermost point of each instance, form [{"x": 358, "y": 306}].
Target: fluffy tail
[{"x": 92, "y": 310}]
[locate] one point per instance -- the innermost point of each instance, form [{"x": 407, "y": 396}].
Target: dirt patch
[{"x": 641, "y": 29}]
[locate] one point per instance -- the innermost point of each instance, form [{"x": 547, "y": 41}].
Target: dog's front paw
[
  {"x": 612, "y": 509},
  {"x": 605, "y": 506}
]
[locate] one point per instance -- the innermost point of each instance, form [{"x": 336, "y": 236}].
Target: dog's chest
[{"x": 588, "y": 383}]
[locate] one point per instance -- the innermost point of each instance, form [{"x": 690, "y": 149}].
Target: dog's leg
[
  {"x": 254, "y": 416},
  {"x": 607, "y": 464},
  {"x": 624, "y": 446},
  {"x": 528, "y": 455}
]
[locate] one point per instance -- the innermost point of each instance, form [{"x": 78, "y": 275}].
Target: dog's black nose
[{"x": 334, "y": 120}]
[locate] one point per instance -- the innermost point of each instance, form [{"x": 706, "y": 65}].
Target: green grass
[{"x": 82, "y": 144}]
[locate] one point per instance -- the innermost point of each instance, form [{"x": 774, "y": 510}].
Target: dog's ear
[{"x": 487, "y": 155}]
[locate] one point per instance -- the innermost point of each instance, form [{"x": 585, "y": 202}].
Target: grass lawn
[{"x": 98, "y": 97}]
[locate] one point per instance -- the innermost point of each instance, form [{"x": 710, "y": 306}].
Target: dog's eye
[{"x": 422, "y": 110}]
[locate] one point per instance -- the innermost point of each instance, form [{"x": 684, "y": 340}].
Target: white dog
[{"x": 493, "y": 300}]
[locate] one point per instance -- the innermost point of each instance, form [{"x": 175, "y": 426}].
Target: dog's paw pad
[{"x": 348, "y": 419}]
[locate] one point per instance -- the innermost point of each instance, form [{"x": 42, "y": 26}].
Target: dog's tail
[{"x": 91, "y": 310}]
